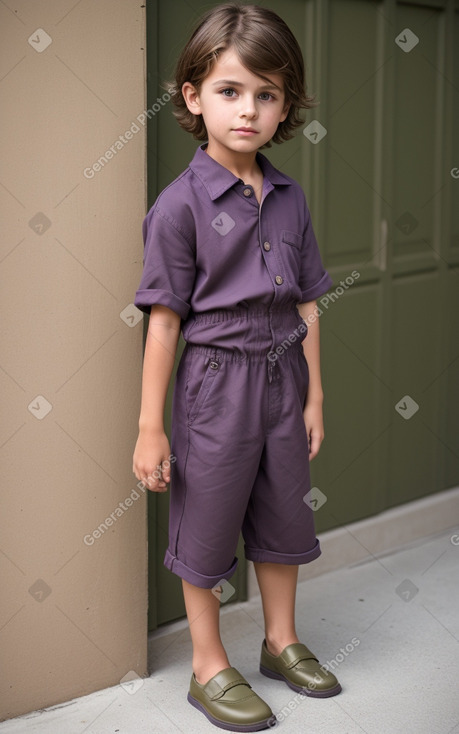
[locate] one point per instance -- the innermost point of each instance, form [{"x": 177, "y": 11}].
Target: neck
[{"x": 242, "y": 165}]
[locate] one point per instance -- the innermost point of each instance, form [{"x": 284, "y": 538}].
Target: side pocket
[
  {"x": 304, "y": 377},
  {"x": 212, "y": 370}
]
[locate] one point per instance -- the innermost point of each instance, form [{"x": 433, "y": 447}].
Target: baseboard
[{"x": 387, "y": 531}]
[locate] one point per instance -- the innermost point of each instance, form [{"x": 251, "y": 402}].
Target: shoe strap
[
  {"x": 223, "y": 681},
  {"x": 292, "y": 654}
]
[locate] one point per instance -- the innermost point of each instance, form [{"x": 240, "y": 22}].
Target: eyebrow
[{"x": 232, "y": 83}]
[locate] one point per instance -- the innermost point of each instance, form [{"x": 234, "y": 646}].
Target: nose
[{"x": 248, "y": 107}]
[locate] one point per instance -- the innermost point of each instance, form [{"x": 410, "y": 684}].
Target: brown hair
[{"x": 264, "y": 44}]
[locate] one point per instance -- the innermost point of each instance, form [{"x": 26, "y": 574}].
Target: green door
[{"x": 378, "y": 175}]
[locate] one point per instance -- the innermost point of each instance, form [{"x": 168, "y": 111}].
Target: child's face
[{"x": 231, "y": 98}]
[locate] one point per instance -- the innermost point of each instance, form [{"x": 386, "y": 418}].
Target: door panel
[
  {"x": 350, "y": 96},
  {"x": 413, "y": 458},
  {"x": 347, "y": 469},
  {"x": 417, "y": 135}
]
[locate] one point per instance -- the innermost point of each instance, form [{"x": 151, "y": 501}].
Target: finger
[
  {"x": 151, "y": 480},
  {"x": 155, "y": 480},
  {"x": 166, "y": 471},
  {"x": 158, "y": 489},
  {"x": 139, "y": 475},
  {"x": 158, "y": 474},
  {"x": 153, "y": 485},
  {"x": 315, "y": 441}
]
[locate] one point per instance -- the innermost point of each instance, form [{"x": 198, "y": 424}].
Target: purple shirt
[{"x": 222, "y": 261}]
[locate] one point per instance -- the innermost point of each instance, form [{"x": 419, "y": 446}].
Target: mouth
[{"x": 246, "y": 130}]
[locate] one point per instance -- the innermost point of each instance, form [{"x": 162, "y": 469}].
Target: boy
[{"x": 231, "y": 260}]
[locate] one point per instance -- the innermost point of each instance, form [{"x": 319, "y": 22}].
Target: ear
[
  {"x": 191, "y": 97},
  {"x": 285, "y": 112}
]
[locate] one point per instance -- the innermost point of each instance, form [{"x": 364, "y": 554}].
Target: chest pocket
[
  {"x": 290, "y": 250},
  {"x": 291, "y": 238}
]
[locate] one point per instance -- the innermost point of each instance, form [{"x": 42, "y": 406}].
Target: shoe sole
[
  {"x": 257, "y": 726},
  {"x": 299, "y": 689}
]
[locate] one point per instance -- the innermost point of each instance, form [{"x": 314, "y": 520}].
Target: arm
[
  {"x": 152, "y": 447},
  {"x": 313, "y": 416}
]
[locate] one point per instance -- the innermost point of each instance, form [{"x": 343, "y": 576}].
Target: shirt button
[
  {"x": 214, "y": 365},
  {"x": 247, "y": 192},
  {"x": 266, "y": 246},
  {"x": 279, "y": 279}
]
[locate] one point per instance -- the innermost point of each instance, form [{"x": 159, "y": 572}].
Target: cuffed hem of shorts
[
  {"x": 260, "y": 555},
  {"x": 194, "y": 577}
]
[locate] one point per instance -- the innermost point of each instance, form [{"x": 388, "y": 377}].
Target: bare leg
[
  {"x": 203, "y": 612},
  {"x": 277, "y": 584}
]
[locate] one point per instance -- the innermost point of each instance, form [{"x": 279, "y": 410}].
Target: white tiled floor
[{"x": 396, "y": 618}]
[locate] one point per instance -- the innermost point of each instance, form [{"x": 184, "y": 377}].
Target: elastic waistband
[
  {"x": 244, "y": 312},
  {"x": 238, "y": 355}
]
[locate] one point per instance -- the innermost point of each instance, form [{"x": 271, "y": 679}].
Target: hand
[
  {"x": 151, "y": 461},
  {"x": 313, "y": 418}
]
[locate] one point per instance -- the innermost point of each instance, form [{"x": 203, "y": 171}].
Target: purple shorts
[{"x": 242, "y": 462}]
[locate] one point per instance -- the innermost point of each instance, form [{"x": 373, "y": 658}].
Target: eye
[
  {"x": 266, "y": 96},
  {"x": 228, "y": 92}
]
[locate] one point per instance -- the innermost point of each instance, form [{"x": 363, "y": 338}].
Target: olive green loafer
[
  {"x": 300, "y": 669},
  {"x": 229, "y": 702}
]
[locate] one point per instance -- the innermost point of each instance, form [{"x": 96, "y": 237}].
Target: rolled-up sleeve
[
  {"x": 314, "y": 279},
  {"x": 169, "y": 267}
]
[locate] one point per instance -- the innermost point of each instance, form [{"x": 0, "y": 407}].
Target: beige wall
[{"x": 73, "y": 616}]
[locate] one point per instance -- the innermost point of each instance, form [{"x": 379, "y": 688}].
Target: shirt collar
[{"x": 217, "y": 179}]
